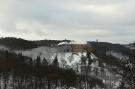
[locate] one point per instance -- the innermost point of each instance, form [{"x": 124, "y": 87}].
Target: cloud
[{"x": 108, "y": 20}]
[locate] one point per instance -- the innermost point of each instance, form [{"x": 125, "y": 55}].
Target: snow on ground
[
  {"x": 50, "y": 53},
  {"x": 130, "y": 46},
  {"x": 72, "y": 42},
  {"x": 3, "y": 47},
  {"x": 118, "y": 55},
  {"x": 40, "y": 51},
  {"x": 69, "y": 58}
]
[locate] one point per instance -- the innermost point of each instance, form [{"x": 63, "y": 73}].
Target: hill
[
  {"x": 17, "y": 43},
  {"x": 21, "y": 44}
]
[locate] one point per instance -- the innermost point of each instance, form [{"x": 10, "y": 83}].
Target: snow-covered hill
[
  {"x": 3, "y": 47},
  {"x": 117, "y": 55},
  {"x": 50, "y": 53}
]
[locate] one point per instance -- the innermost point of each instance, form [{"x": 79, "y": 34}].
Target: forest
[{"x": 21, "y": 72}]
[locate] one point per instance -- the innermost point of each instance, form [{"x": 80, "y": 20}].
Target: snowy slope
[
  {"x": 3, "y": 47},
  {"x": 50, "y": 53},
  {"x": 40, "y": 51},
  {"x": 118, "y": 55}
]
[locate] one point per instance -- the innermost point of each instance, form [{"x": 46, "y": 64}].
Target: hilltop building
[{"x": 72, "y": 46}]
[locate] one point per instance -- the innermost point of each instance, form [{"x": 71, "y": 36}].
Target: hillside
[
  {"x": 112, "y": 53},
  {"x": 21, "y": 44},
  {"x": 49, "y": 42},
  {"x": 103, "y": 61},
  {"x": 17, "y": 43}
]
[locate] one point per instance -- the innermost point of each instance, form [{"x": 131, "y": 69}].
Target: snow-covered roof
[
  {"x": 72, "y": 42},
  {"x": 64, "y": 43}
]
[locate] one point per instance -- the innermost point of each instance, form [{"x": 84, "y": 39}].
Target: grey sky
[{"x": 81, "y": 20}]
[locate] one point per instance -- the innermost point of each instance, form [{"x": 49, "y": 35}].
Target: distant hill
[
  {"x": 49, "y": 42},
  {"x": 103, "y": 47},
  {"x": 131, "y": 46},
  {"x": 17, "y": 43},
  {"x": 111, "y": 53},
  {"x": 21, "y": 44}
]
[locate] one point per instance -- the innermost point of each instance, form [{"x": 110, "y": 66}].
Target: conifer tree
[
  {"x": 45, "y": 62},
  {"x": 55, "y": 62}
]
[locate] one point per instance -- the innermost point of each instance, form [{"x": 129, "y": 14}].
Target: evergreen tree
[
  {"x": 83, "y": 60},
  {"x": 89, "y": 57},
  {"x": 37, "y": 65},
  {"x": 45, "y": 62},
  {"x": 21, "y": 58},
  {"x": 38, "y": 61},
  {"x": 55, "y": 62}
]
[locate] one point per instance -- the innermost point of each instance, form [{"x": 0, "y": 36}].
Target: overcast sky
[{"x": 81, "y": 20}]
